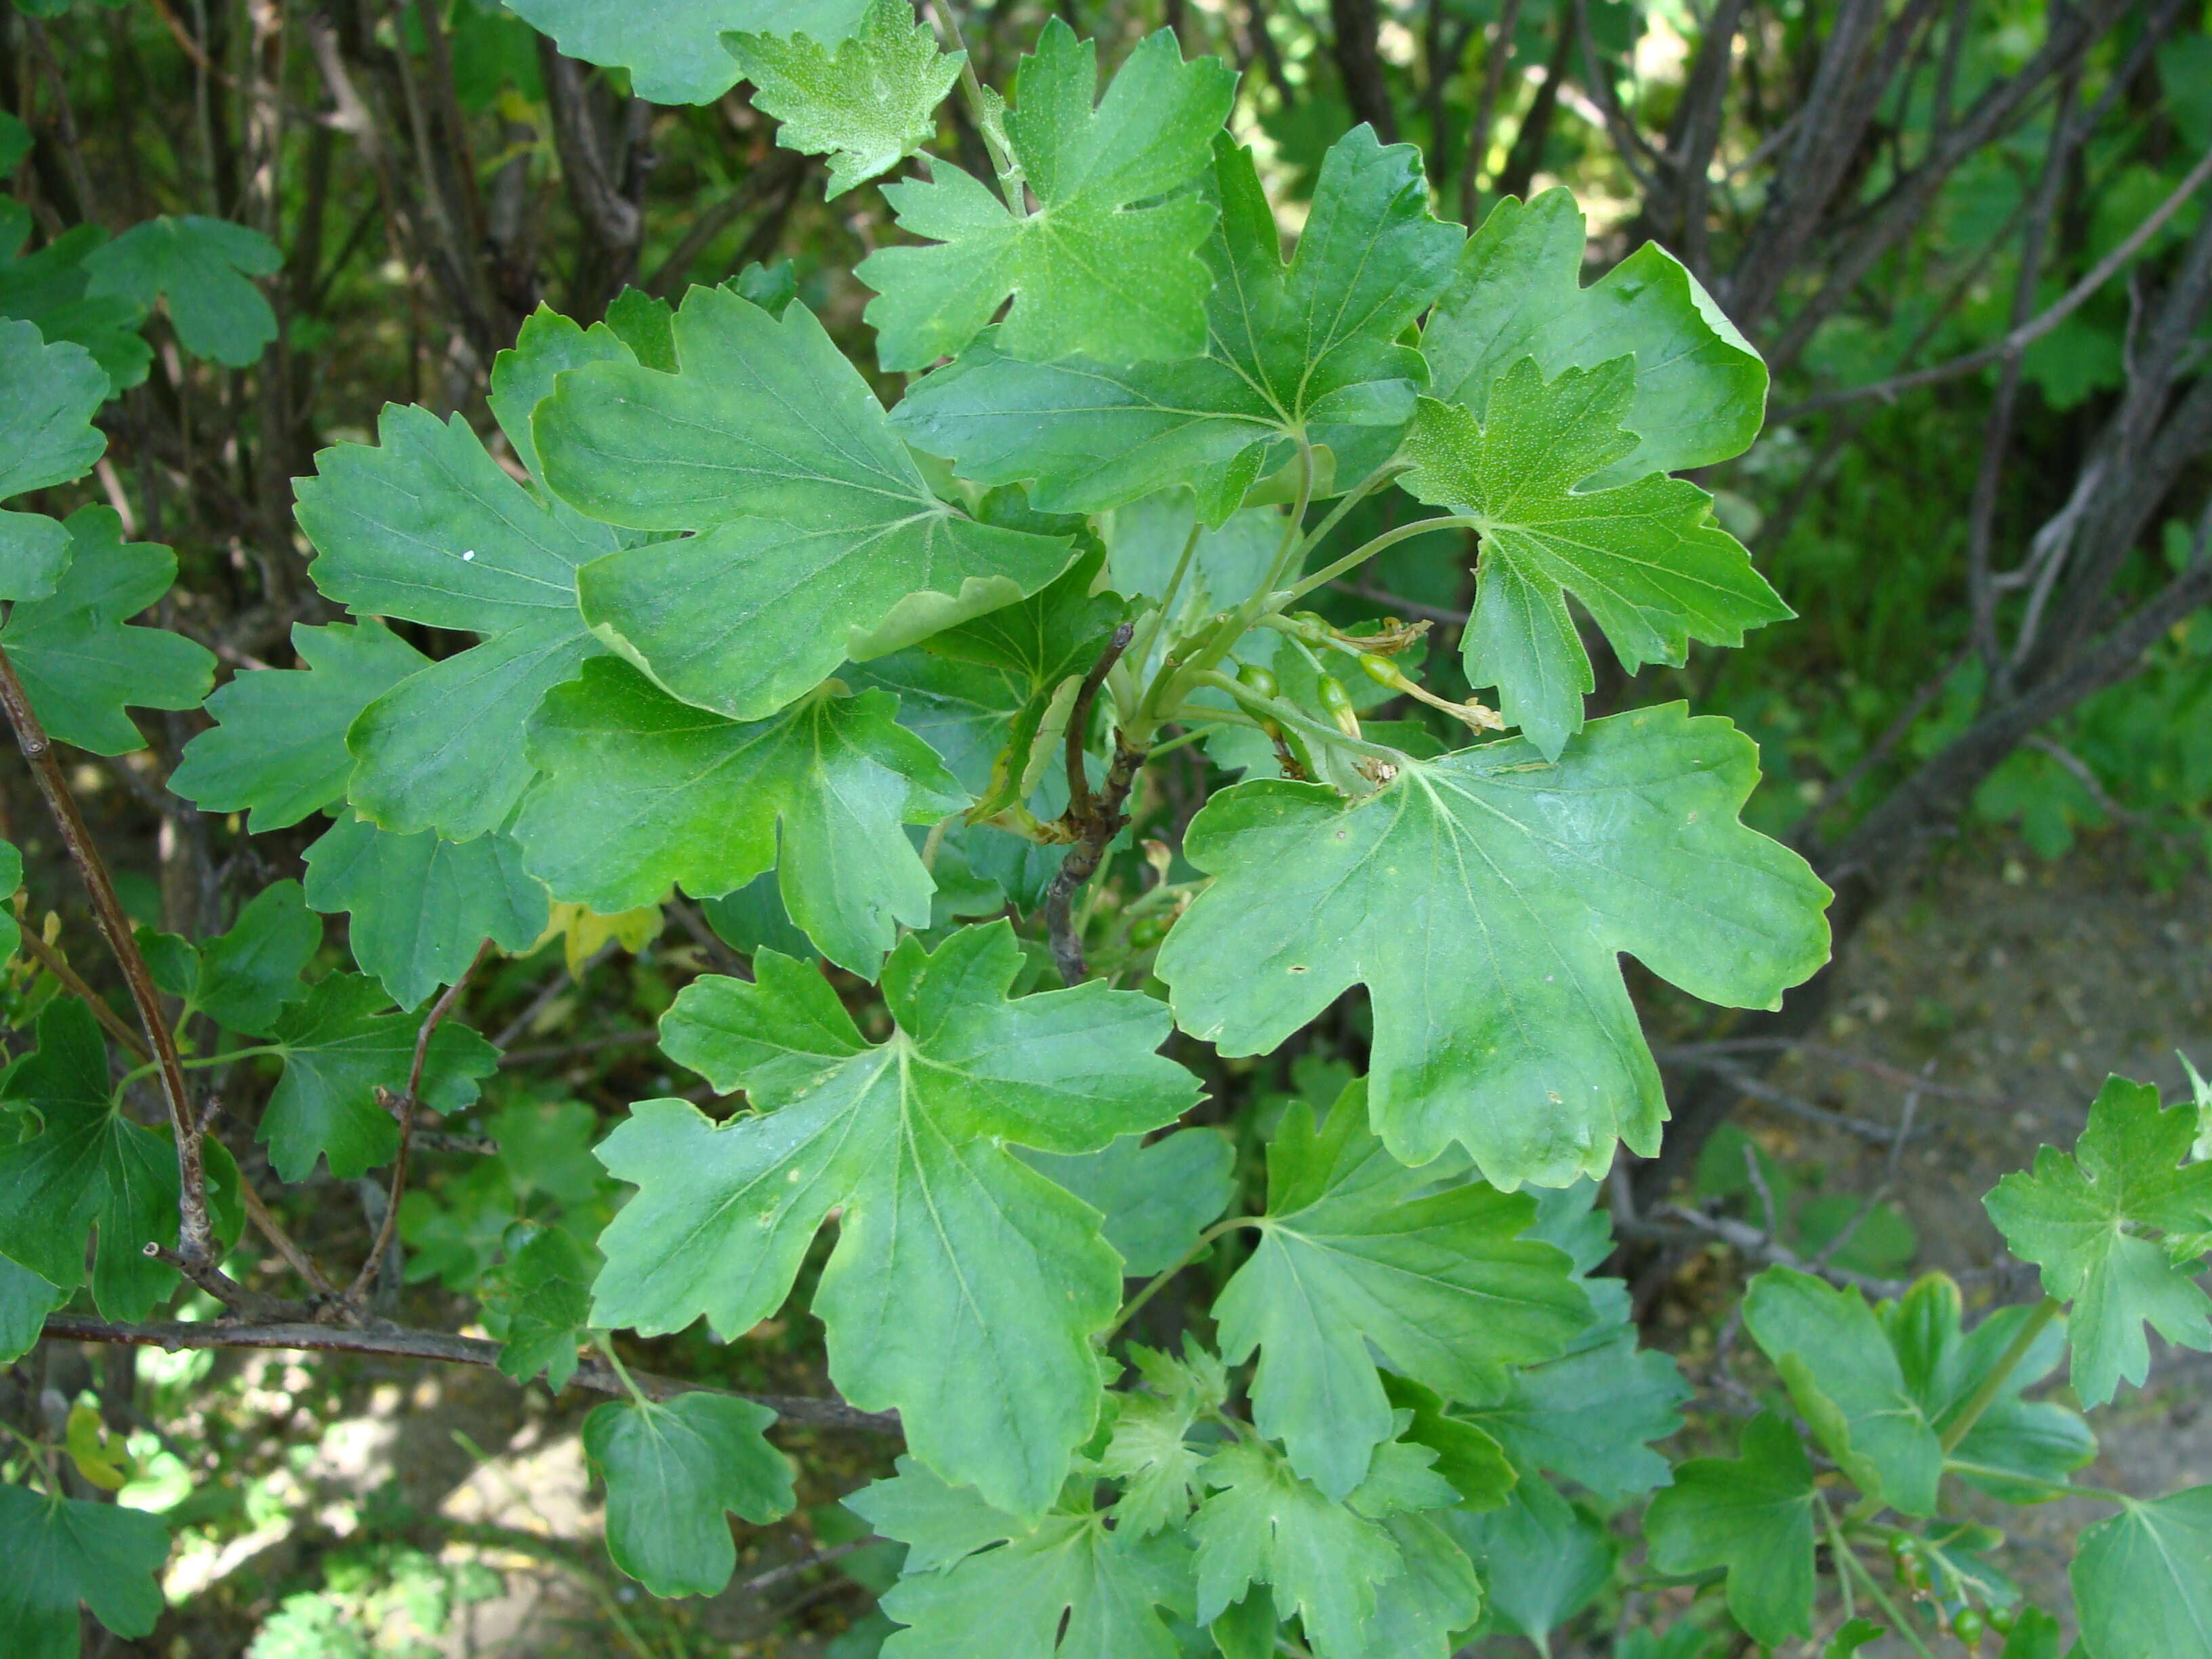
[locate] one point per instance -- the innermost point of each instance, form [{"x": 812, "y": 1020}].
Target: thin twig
[
  {"x": 591, "y": 1373},
  {"x": 1690, "y": 1054},
  {"x": 409, "y": 1103},
  {"x": 194, "y": 1238},
  {"x": 1093, "y": 821},
  {"x": 118, "y": 1027},
  {"x": 2027, "y": 333},
  {"x": 1759, "y": 1088}
]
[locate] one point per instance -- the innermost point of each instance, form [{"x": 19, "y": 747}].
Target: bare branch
[{"x": 591, "y": 1372}]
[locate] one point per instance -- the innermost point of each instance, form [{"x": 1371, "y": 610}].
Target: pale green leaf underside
[
  {"x": 964, "y": 1287},
  {"x": 868, "y": 104},
  {"x": 1483, "y": 898}
]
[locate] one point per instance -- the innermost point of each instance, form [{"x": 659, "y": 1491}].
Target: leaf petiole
[
  {"x": 1367, "y": 550},
  {"x": 1152, "y": 1289},
  {"x": 1980, "y": 1400},
  {"x": 199, "y": 1064}
]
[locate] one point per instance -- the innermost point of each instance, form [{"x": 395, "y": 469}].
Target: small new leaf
[
  {"x": 868, "y": 104},
  {"x": 642, "y": 793},
  {"x": 1752, "y": 1514},
  {"x": 1501, "y": 1021},
  {"x": 1643, "y": 557},
  {"x": 672, "y": 1469},
  {"x": 1104, "y": 267},
  {"x": 1357, "y": 1255},
  {"x": 541, "y": 1296},
  {"x": 964, "y": 1287},
  {"x": 2082, "y": 1217}
]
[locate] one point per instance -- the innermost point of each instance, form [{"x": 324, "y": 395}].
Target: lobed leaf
[
  {"x": 819, "y": 538},
  {"x": 642, "y": 793},
  {"x": 61, "y": 1551},
  {"x": 1752, "y": 1515},
  {"x": 2080, "y": 1219},
  {"x": 1311, "y": 351},
  {"x": 203, "y": 268},
  {"x": 1482, "y": 898},
  {"x": 1107, "y": 265},
  {"x": 964, "y": 1287},
  {"x": 867, "y": 105},
  {"x": 672, "y": 1469},
  {"x": 1359, "y": 1252},
  {"x": 1644, "y": 558},
  {"x": 673, "y": 48}
]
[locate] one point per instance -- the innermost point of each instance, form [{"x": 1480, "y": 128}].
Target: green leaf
[
  {"x": 939, "y": 1524},
  {"x": 48, "y": 396},
  {"x": 867, "y": 105},
  {"x": 428, "y": 527},
  {"x": 11, "y": 883},
  {"x": 46, "y": 288},
  {"x": 645, "y": 323},
  {"x": 26, "y": 1299},
  {"x": 672, "y": 1469},
  {"x": 249, "y": 975},
  {"x": 1043, "y": 646},
  {"x": 1944, "y": 1366},
  {"x": 1103, "y": 267},
  {"x": 1542, "y": 1558},
  {"x": 203, "y": 268},
  {"x": 1066, "y": 1586},
  {"x": 642, "y": 793},
  {"x": 2035, "y": 1635},
  {"x": 1434, "y": 1598},
  {"x": 60, "y": 1552},
  {"x": 1500, "y": 1020},
  {"x": 1155, "y": 1199},
  {"x": 1845, "y": 1379},
  {"x": 1854, "y": 1634},
  {"x": 1644, "y": 558},
  {"x": 1468, "y": 1457},
  {"x": 1356, "y": 1251},
  {"x": 421, "y": 907},
  {"x": 2142, "y": 1580},
  {"x": 1586, "y": 1415},
  {"x": 2079, "y": 1217},
  {"x": 1150, "y": 1451},
  {"x": 1263, "y": 1525},
  {"x": 90, "y": 1168},
  {"x": 964, "y": 1287},
  {"x": 77, "y": 658},
  {"x": 541, "y": 1296},
  {"x": 1700, "y": 387},
  {"x": 821, "y": 539},
  {"x": 523, "y": 376},
  {"x": 279, "y": 750},
  {"x": 673, "y": 48},
  {"x": 340, "y": 1045},
  {"x": 1310, "y": 351},
  {"x": 1752, "y": 1515}
]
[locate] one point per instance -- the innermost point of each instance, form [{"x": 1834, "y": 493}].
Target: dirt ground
[{"x": 2027, "y": 984}]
